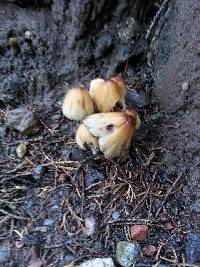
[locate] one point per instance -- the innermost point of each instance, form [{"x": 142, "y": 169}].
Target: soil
[{"x": 47, "y": 196}]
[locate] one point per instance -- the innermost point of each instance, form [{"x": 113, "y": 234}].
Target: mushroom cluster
[{"x": 106, "y": 123}]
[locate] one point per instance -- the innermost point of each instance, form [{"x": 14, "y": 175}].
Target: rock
[
  {"x": 90, "y": 226},
  {"x": 48, "y": 222},
  {"x": 65, "y": 152},
  {"x": 36, "y": 263},
  {"x": 185, "y": 86},
  {"x": 193, "y": 248},
  {"x": 69, "y": 258},
  {"x": 155, "y": 118},
  {"x": 21, "y": 150},
  {"x": 79, "y": 155},
  {"x": 139, "y": 232},
  {"x": 2, "y": 133},
  {"x": 142, "y": 133},
  {"x": 115, "y": 215},
  {"x": 23, "y": 120},
  {"x": 136, "y": 100},
  {"x": 127, "y": 253},
  {"x": 93, "y": 177},
  {"x": 98, "y": 262},
  {"x": 38, "y": 172},
  {"x": 149, "y": 250},
  {"x": 28, "y": 35},
  {"x": 4, "y": 253}
]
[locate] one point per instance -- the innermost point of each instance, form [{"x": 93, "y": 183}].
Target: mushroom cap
[
  {"x": 77, "y": 103},
  {"x": 106, "y": 95},
  {"x": 115, "y": 131},
  {"x": 84, "y": 138},
  {"x": 121, "y": 84}
]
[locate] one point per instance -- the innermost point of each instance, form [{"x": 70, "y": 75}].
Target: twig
[
  {"x": 166, "y": 196},
  {"x": 13, "y": 215},
  {"x": 156, "y": 18}
]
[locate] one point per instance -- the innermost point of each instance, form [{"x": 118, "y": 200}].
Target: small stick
[
  {"x": 166, "y": 196},
  {"x": 156, "y": 18}
]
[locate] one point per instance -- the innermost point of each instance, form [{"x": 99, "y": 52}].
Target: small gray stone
[
  {"x": 38, "y": 172},
  {"x": 141, "y": 134},
  {"x": 155, "y": 118},
  {"x": 98, "y": 262},
  {"x": 135, "y": 99},
  {"x": 48, "y": 222},
  {"x": 65, "y": 152},
  {"x": 115, "y": 215},
  {"x": 4, "y": 253},
  {"x": 127, "y": 253},
  {"x": 185, "y": 86},
  {"x": 21, "y": 150},
  {"x": 78, "y": 155},
  {"x": 2, "y": 133},
  {"x": 193, "y": 248},
  {"x": 90, "y": 226},
  {"x": 23, "y": 120}
]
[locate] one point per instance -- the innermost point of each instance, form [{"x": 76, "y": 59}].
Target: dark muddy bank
[
  {"x": 177, "y": 72},
  {"x": 52, "y": 188}
]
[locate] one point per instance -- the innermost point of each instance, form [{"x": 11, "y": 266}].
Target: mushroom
[
  {"x": 106, "y": 96},
  {"x": 121, "y": 85},
  {"x": 85, "y": 139},
  {"x": 77, "y": 103},
  {"x": 115, "y": 131}
]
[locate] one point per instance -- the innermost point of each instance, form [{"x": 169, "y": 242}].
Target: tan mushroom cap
[
  {"x": 77, "y": 103},
  {"x": 85, "y": 139},
  {"x": 115, "y": 131},
  {"x": 106, "y": 96}
]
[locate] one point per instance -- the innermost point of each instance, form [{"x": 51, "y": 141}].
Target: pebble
[
  {"x": 93, "y": 177},
  {"x": 38, "y": 172},
  {"x": 185, "y": 86},
  {"x": 155, "y": 118},
  {"x": 65, "y": 152},
  {"x": 115, "y": 215},
  {"x": 78, "y": 154},
  {"x": 193, "y": 248},
  {"x": 149, "y": 250},
  {"x": 48, "y": 222},
  {"x": 90, "y": 226},
  {"x": 136, "y": 100},
  {"x": 98, "y": 262},
  {"x": 142, "y": 133},
  {"x": 4, "y": 253},
  {"x": 139, "y": 232},
  {"x": 28, "y": 35},
  {"x": 127, "y": 253},
  {"x": 23, "y": 120},
  {"x": 21, "y": 150},
  {"x": 2, "y": 133}
]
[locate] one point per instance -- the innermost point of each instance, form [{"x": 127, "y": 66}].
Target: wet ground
[{"x": 48, "y": 196}]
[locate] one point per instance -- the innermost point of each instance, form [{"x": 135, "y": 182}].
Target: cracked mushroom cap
[
  {"x": 121, "y": 84},
  {"x": 77, "y": 103},
  {"x": 85, "y": 139},
  {"x": 106, "y": 96},
  {"x": 115, "y": 131}
]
